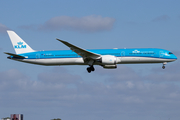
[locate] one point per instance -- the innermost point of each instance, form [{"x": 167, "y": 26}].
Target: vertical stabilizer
[{"x": 18, "y": 44}]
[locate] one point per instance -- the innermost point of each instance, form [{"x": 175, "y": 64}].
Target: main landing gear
[{"x": 91, "y": 68}]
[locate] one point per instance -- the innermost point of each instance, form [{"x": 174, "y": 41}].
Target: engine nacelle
[
  {"x": 110, "y": 66},
  {"x": 109, "y": 60}
]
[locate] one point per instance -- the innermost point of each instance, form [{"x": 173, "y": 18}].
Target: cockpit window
[{"x": 170, "y": 53}]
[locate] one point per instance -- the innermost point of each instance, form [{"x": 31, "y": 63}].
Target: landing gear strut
[{"x": 91, "y": 68}]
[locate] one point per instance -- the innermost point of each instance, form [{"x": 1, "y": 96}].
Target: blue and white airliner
[{"x": 107, "y": 58}]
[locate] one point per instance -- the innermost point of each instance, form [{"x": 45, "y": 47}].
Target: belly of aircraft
[
  {"x": 136, "y": 60},
  {"x": 57, "y": 61},
  {"x": 80, "y": 61}
]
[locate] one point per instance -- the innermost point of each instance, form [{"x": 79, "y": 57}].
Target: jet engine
[{"x": 109, "y": 60}]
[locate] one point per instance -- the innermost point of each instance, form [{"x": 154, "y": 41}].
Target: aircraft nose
[{"x": 174, "y": 57}]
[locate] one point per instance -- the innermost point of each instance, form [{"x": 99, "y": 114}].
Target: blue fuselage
[{"x": 125, "y": 56}]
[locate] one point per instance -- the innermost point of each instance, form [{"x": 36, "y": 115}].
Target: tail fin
[{"x": 18, "y": 44}]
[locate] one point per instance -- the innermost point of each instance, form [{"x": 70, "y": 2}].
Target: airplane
[{"x": 107, "y": 58}]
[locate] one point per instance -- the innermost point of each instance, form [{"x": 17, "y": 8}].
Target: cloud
[
  {"x": 161, "y": 18},
  {"x": 58, "y": 75},
  {"x": 3, "y": 28},
  {"x": 120, "y": 74},
  {"x": 170, "y": 74},
  {"x": 123, "y": 93},
  {"x": 90, "y": 23}
]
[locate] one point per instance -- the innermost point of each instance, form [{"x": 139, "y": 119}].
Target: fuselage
[
  {"x": 124, "y": 56},
  {"x": 107, "y": 58}
]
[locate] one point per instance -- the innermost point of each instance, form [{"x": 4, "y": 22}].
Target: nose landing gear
[{"x": 163, "y": 67}]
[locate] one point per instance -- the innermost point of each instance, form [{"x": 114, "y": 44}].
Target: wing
[
  {"x": 82, "y": 52},
  {"x": 14, "y": 55}
]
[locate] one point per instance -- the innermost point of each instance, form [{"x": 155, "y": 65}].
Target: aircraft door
[
  {"x": 161, "y": 54},
  {"x": 37, "y": 56},
  {"x": 122, "y": 54}
]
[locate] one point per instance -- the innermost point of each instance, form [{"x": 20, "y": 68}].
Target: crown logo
[
  {"x": 136, "y": 51},
  {"x": 20, "y": 43}
]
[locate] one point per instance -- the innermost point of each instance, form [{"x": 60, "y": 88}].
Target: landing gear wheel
[
  {"x": 89, "y": 70},
  {"x": 164, "y": 63},
  {"x": 163, "y": 67},
  {"x": 92, "y": 68}
]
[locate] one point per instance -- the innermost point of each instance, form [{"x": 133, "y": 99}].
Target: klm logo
[
  {"x": 136, "y": 51},
  {"x": 20, "y": 45}
]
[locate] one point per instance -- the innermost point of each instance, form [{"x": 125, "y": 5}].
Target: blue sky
[{"x": 130, "y": 92}]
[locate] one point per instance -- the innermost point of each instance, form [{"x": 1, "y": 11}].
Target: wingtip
[
  {"x": 5, "y": 52},
  {"x": 60, "y": 40}
]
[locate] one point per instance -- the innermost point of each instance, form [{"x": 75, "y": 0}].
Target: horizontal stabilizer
[{"x": 14, "y": 55}]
